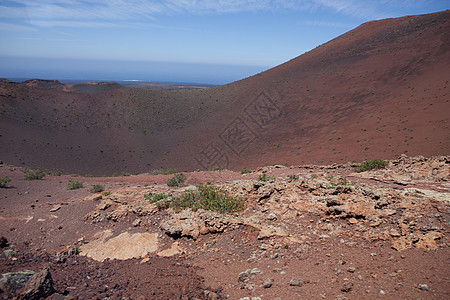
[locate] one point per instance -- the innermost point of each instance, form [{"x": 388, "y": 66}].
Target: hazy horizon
[
  {"x": 211, "y": 42},
  {"x": 106, "y": 70}
]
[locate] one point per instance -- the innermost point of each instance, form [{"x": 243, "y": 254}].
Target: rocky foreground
[{"x": 307, "y": 232}]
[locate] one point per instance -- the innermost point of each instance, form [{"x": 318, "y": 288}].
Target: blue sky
[{"x": 202, "y": 41}]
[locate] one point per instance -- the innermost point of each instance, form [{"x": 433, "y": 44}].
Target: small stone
[
  {"x": 360, "y": 277},
  {"x": 382, "y": 292},
  {"x": 9, "y": 253},
  {"x": 55, "y": 208},
  {"x": 275, "y": 255},
  {"x": 423, "y": 287},
  {"x": 243, "y": 276},
  {"x": 136, "y": 222},
  {"x": 351, "y": 269},
  {"x": 267, "y": 283},
  {"x": 60, "y": 259},
  {"x": 352, "y": 221},
  {"x": 347, "y": 287},
  {"x": 211, "y": 295},
  {"x": 295, "y": 282},
  {"x": 256, "y": 271},
  {"x": 373, "y": 254},
  {"x": 3, "y": 242},
  {"x": 271, "y": 217}
]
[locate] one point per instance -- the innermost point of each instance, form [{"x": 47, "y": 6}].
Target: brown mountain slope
[{"x": 375, "y": 92}]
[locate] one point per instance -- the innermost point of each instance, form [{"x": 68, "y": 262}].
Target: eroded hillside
[{"x": 377, "y": 91}]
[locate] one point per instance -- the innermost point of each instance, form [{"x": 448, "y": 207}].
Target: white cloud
[
  {"x": 15, "y": 27},
  {"x": 328, "y": 24},
  {"x": 76, "y": 12}
]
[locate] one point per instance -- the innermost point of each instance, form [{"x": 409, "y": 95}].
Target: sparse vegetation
[
  {"x": 372, "y": 164},
  {"x": 215, "y": 169},
  {"x": 208, "y": 197},
  {"x": 163, "y": 172},
  {"x": 4, "y": 181},
  {"x": 97, "y": 188},
  {"x": 246, "y": 171},
  {"x": 35, "y": 174},
  {"x": 177, "y": 180},
  {"x": 74, "y": 184},
  {"x": 54, "y": 172},
  {"x": 293, "y": 177},
  {"x": 163, "y": 204},
  {"x": 156, "y": 197},
  {"x": 106, "y": 194},
  {"x": 265, "y": 177}
]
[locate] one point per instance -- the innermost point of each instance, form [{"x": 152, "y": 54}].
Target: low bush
[
  {"x": 245, "y": 171},
  {"x": 35, "y": 174},
  {"x": 4, "y": 181},
  {"x": 215, "y": 169},
  {"x": 54, "y": 172},
  {"x": 74, "y": 184},
  {"x": 97, "y": 188},
  {"x": 163, "y": 172},
  {"x": 163, "y": 204},
  {"x": 265, "y": 177},
  {"x": 155, "y": 198},
  {"x": 177, "y": 180},
  {"x": 372, "y": 164},
  {"x": 210, "y": 198}
]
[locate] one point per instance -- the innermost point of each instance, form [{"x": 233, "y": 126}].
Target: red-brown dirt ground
[{"x": 307, "y": 232}]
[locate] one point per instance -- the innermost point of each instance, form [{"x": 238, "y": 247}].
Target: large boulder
[
  {"x": 11, "y": 282},
  {"x": 39, "y": 286}
]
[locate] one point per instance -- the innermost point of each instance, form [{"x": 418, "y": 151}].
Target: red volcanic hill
[{"x": 377, "y": 91}]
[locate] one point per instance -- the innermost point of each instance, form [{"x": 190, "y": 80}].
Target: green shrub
[
  {"x": 97, "y": 188},
  {"x": 162, "y": 204},
  {"x": 372, "y": 165},
  {"x": 4, "y": 181},
  {"x": 55, "y": 172},
  {"x": 163, "y": 172},
  {"x": 155, "y": 198},
  {"x": 106, "y": 194},
  {"x": 215, "y": 169},
  {"x": 264, "y": 177},
  {"x": 74, "y": 184},
  {"x": 169, "y": 171},
  {"x": 246, "y": 171},
  {"x": 35, "y": 174},
  {"x": 177, "y": 180},
  {"x": 210, "y": 198}
]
